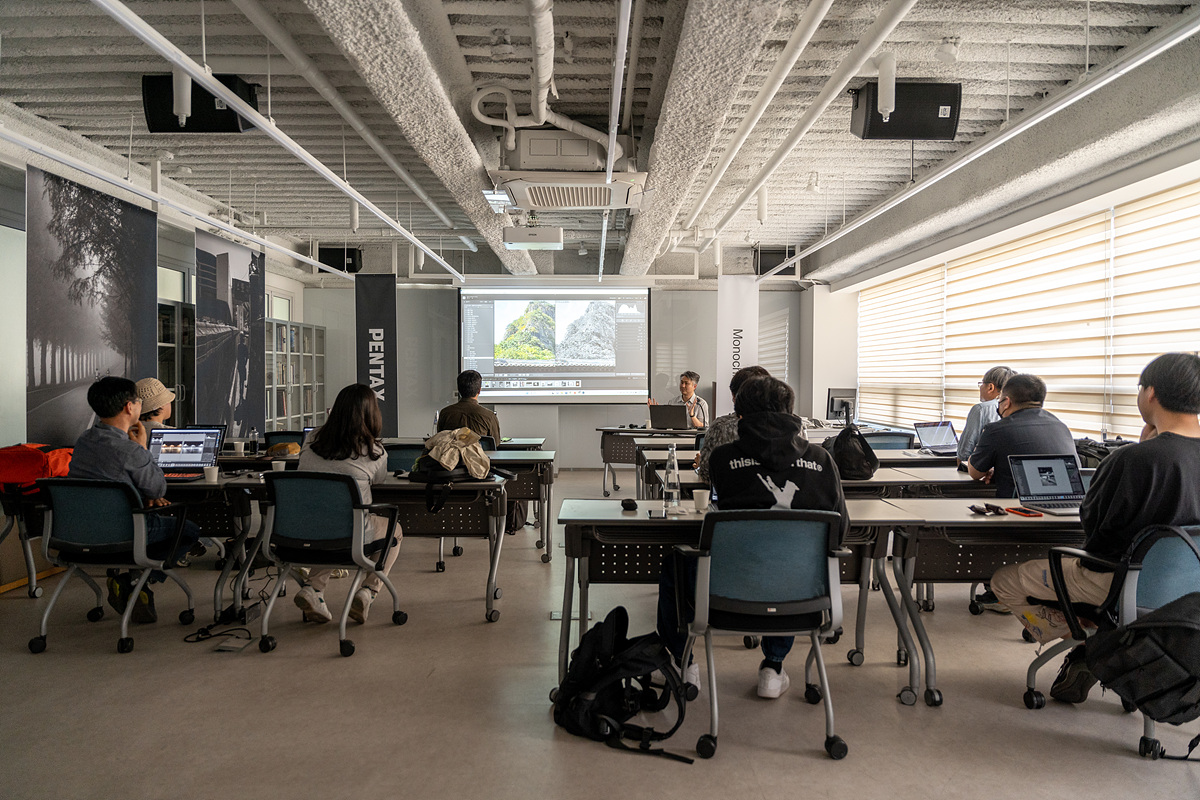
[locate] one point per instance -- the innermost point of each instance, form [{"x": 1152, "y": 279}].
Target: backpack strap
[
  {"x": 1192, "y": 745},
  {"x": 647, "y": 735},
  {"x": 433, "y": 503}
]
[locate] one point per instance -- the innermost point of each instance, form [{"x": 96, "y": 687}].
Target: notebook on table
[
  {"x": 670, "y": 418},
  {"x": 1050, "y": 484},
  {"x": 938, "y": 437},
  {"x": 183, "y": 453}
]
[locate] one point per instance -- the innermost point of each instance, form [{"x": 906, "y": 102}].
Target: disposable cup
[
  {"x": 701, "y": 497},
  {"x": 239, "y": 448},
  {"x": 279, "y": 466},
  {"x": 211, "y": 474}
]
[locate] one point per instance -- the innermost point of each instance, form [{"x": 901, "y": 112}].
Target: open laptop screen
[
  {"x": 936, "y": 434},
  {"x": 669, "y": 417},
  {"x": 1047, "y": 477},
  {"x": 185, "y": 448}
]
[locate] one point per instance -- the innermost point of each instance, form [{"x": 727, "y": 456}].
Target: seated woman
[
  {"x": 348, "y": 444},
  {"x": 156, "y": 403}
]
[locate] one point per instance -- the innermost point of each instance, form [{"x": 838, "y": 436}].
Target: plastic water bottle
[
  {"x": 671, "y": 487},
  {"x": 435, "y": 421},
  {"x": 253, "y": 440}
]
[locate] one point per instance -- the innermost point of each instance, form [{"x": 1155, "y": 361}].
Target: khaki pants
[
  {"x": 1014, "y": 584},
  {"x": 319, "y": 578}
]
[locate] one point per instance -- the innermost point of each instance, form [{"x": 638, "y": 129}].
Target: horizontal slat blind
[
  {"x": 1037, "y": 305},
  {"x": 900, "y": 349},
  {"x": 1156, "y": 291},
  {"x": 773, "y": 343}
]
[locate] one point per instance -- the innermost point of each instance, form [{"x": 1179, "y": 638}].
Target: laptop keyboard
[
  {"x": 1061, "y": 504},
  {"x": 180, "y": 476}
]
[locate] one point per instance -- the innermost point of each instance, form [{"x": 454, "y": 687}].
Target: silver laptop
[
  {"x": 1050, "y": 484},
  {"x": 669, "y": 418},
  {"x": 183, "y": 453},
  {"x": 938, "y": 437}
]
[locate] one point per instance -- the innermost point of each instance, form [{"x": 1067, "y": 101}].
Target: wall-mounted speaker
[
  {"x": 346, "y": 259},
  {"x": 926, "y": 111},
  {"x": 209, "y": 114}
]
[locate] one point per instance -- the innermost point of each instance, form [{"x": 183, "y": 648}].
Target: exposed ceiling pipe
[
  {"x": 512, "y": 121},
  {"x": 160, "y": 44},
  {"x": 542, "y": 22},
  {"x": 614, "y": 107},
  {"x": 635, "y": 46},
  {"x": 470, "y": 243},
  {"x": 282, "y": 40},
  {"x": 805, "y": 28},
  {"x": 872, "y": 38},
  {"x": 885, "y": 63},
  {"x": 1162, "y": 40}
]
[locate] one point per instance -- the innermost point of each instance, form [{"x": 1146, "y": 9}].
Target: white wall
[
  {"x": 12, "y": 333},
  {"x": 828, "y": 346}
]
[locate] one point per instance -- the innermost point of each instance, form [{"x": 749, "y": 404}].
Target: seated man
[
  {"x": 467, "y": 413},
  {"x": 697, "y": 406},
  {"x": 114, "y": 449},
  {"x": 983, "y": 413},
  {"x": 1153, "y": 482},
  {"x": 724, "y": 428},
  {"x": 1025, "y": 428},
  {"x": 770, "y": 465}
]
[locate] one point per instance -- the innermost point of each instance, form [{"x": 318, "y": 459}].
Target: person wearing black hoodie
[{"x": 770, "y": 465}]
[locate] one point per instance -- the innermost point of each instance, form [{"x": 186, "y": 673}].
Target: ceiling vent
[{"x": 571, "y": 191}]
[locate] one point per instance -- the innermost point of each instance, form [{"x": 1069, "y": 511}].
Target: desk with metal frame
[
  {"x": 534, "y": 481},
  {"x": 617, "y": 447}
]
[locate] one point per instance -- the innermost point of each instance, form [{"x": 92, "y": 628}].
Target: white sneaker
[
  {"x": 692, "y": 675},
  {"x": 360, "y": 606},
  {"x": 312, "y": 603},
  {"x": 772, "y": 684}
]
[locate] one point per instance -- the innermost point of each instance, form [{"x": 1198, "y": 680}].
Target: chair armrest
[
  {"x": 392, "y": 513},
  {"x": 689, "y": 551},
  {"x": 1088, "y": 559},
  {"x": 504, "y": 473},
  {"x": 172, "y": 507},
  {"x": 180, "y": 521},
  {"x": 382, "y": 507},
  {"x": 1060, "y": 584},
  {"x": 841, "y": 552}
]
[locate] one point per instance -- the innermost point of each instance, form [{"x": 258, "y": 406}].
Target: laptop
[
  {"x": 938, "y": 437},
  {"x": 1050, "y": 484},
  {"x": 669, "y": 418},
  {"x": 183, "y": 453},
  {"x": 221, "y": 426}
]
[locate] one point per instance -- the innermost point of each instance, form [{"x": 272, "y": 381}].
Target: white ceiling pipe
[
  {"x": 470, "y": 243},
  {"x": 542, "y": 22},
  {"x": 762, "y": 204},
  {"x": 34, "y": 146},
  {"x": 181, "y": 93},
  {"x": 635, "y": 46},
  {"x": 618, "y": 73},
  {"x": 886, "y": 64},
  {"x": 872, "y": 38},
  {"x": 805, "y": 28},
  {"x": 1163, "y": 39},
  {"x": 160, "y": 44},
  {"x": 513, "y": 121},
  {"x": 353, "y": 216},
  {"x": 286, "y": 45}
]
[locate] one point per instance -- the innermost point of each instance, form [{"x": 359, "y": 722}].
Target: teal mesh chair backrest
[
  {"x": 313, "y": 506},
  {"x": 889, "y": 441},
  {"x": 488, "y": 443},
  {"x": 402, "y": 456},
  {"x": 91, "y": 513},
  {"x": 767, "y": 560},
  {"x": 1169, "y": 571}
]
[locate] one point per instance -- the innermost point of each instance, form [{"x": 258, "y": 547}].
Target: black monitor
[{"x": 841, "y": 404}]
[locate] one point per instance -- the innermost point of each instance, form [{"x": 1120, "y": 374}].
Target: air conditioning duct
[{"x": 570, "y": 191}]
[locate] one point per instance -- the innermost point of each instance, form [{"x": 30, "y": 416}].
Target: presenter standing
[{"x": 697, "y": 406}]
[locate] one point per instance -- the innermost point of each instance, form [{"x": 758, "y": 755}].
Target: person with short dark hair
[
  {"x": 1025, "y": 428},
  {"x": 984, "y": 412},
  {"x": 769, "y": 465},
  {"x": 114, "y": 449},
  {"x": 724, "y": 428},
  {"x": 697, "y": 406},
  {"x": 348, "y": 444},
  {"x": 1153, "y": 482},
  {"x": 467, "y": 413}
]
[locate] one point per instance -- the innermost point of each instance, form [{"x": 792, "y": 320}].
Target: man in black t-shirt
[
  {"x": 1025, "y": 428},
  {"x": 1153, "y": 482}
]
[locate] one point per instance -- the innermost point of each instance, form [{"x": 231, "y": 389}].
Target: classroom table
[
  {"x": 651, "y": 461},
  {"x": 905, "y": 459},
  {"x": 510, "y": 443},
  {"x": 534, "y": 481},
  {"x": 617, "y": 447}
]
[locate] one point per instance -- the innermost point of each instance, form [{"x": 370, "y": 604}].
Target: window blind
[{"x": 773, "y": 343}]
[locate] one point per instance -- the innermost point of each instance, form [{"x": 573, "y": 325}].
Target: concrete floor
[{"x": 451, "y": 706}]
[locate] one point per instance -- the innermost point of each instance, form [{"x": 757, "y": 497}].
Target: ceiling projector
[{"x": 538, "y": 238}]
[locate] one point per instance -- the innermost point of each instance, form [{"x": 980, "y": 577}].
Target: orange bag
[{"x": 23, "y": 464}]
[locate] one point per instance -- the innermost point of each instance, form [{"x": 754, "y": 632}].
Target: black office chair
[
  {"x": 20, "y": 508},
  {"x": 891, "y": 440},
  {"x": 278, "y": 437},
  {"x": 318, "y": 519},
  {"x": 102, "y": 524},
  {"x": 772, "y": 573},
  {"x": 699, "y": 442}
]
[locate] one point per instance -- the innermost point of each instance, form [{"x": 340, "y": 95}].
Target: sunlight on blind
[{"x": 773, "y": 343}]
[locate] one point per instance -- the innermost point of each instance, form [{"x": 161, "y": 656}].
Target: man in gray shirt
[
  {"x": 982, "y": 413},
  {"x": 697, "y": 406}
]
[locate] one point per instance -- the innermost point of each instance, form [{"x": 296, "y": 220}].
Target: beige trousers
[
  {"x": 319, "y": 578},
  {"x": 1014, "y": 584}
]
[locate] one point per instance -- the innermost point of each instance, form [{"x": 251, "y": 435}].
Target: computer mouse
[{"x": 629, "y": 504}]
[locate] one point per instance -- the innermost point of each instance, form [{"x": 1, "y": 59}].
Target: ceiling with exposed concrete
[{"x": 719, "y": 97}]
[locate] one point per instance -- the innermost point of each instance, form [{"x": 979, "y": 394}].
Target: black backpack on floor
[{"x": 608, "y": 682}]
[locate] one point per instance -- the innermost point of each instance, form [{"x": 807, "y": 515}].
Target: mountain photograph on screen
[
  {"x": 587, "y": 332},
  {"x": 524, "y": 331}
]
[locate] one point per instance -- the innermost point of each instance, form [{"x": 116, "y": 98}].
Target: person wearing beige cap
[{"x": 156, "y": 403}]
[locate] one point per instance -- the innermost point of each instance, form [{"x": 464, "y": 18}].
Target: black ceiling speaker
[
  {"x": 209, "y": 114},
  {"x": 347, "y": 259},
  {"x": 923, "y": 111}
]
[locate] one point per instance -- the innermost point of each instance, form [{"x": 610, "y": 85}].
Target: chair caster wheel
[
  {"x": 187, "y": 616},
  {"x": 1027, "y": 636},
  {"x": 35, "y": 592},
  {"x": 1034, "y": 699},
  {"x": 690, "y": 692},
  {"x": 125, "y": 645},
  {"x": 457, "y": 551},
  {"x": 399, "y": 617},
  {"x": 493, "y": 615},
  {"x": 554, "y": 694},
  {"x": 346, "y": 648},
  {"x": 928, "y": 606},
  {"x": 496, "y": 595},
  {"x": 1128, "y": 706},
  {"x": 539, "y": 544},
  {"x": 706, "y": 746},
  {"x": 933, "y": 697},
  {"x": 606, "y": 492},
  {"x": 95, "y": 614},
  {"x": 37, "y": 644},
  {"x": 545, "y": 558},
  {"x": 616, "y": 488},
  {"x": 750, "y": 642},
  {"x": 440, "y": 566},
  {"x": 1150, "y": 747},
  {"x": 974, "y": 608},
  {"x": 836, "y": 747},
  {"x": 907, "y": 696},
  {"x": 902, "y": 658},
  {"x": 812, "y": 694},
  {"x": 856, "y": 657},
  {"x": 266, "y": 644},
  {"x": 835, "y": 638}
]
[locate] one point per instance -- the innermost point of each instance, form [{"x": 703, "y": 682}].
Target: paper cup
[
  {"x": 279, "y": 466},
  {"x": 239, "y": 448},
  {"x": 647, "y": 424},
  {"x": 211, "y": 474},
  {"x": 700, "y": 497}
]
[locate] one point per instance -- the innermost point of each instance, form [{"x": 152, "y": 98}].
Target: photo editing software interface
[
  {"x": 557, "y": 345},
  {"x": 184, "y": 448}
]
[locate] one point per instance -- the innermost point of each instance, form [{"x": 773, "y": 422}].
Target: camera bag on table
[{"x": 853, "y": 454}]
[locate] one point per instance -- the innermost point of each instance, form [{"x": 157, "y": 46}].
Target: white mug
[
  {"x": 701, "y": 497},
  {"x": 239, "y": 448},
  {"x": 211, "y": 474},
  {"x": 279, "y": 466}
]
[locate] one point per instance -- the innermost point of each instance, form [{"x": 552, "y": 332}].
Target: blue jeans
[
  {"x": 160, "y": 529},
  {"x": 774, "y": 648}
]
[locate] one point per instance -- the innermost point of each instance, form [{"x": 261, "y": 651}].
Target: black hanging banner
[{"x": 375, "y": 340}]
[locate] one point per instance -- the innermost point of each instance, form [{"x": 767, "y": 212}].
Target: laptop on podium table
[
  {"x": 1050, "y": 484},
  {"x": 938, "y": 437},
  {"x": 183, "y": 453},
  {"x": 669, "y": 418}
]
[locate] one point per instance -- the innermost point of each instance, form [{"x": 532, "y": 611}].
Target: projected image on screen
[{"x": 559, "y": 345}]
